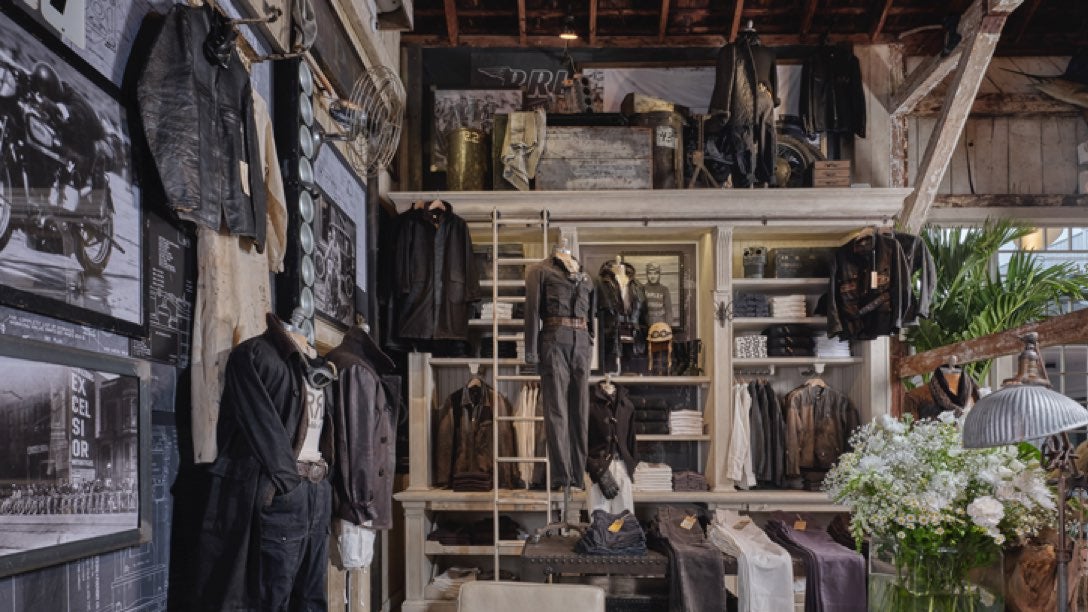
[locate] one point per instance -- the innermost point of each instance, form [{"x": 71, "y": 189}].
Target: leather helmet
[{"x": 44, "y": 80}]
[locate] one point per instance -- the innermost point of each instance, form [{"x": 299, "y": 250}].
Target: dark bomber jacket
[
  {"x": 197, "y": 114},
  {"x": 553, "y": 291},
  {"x": 435, "y": 275},
  {"x": 611, "y": 431},
  {"x": 365, "y": 425},
  {"x": 619, "y": 317}
]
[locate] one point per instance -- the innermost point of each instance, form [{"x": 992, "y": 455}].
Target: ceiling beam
[
  {"x": 1027, "y": 14},
  {"x": 592, "y": 22},
  {"x": 523, "y": 31},
  {"x": 981, "y": 34},
  {"x": 664, "y": 24},
  {"x": 734, "y": 26},
  {"x": 629, "y": 42},
  {"x": 880, "y": 17},
  {"x": 809, "y": 16},
  {"x": 451, "y": 21},
  {"x": 1003, "y": 105}
]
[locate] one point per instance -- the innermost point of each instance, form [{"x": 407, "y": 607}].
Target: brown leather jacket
[
  {"x": 462, "y": 437},
  {"x": 819, "y": 421}
]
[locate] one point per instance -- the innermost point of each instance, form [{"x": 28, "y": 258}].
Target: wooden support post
[
  {"x": 879, "y": 17},
  {"x": 810, "y": 14},
  {"x": 593, "y": 22},
  {"x": 523, "y": 32},
  {"x": 976, "y": 50},
  {"x": 719, "y": 423},
  {"x": 451, "y": 21},
  {"x": 664, "y": 24},
  {"x": 734, "y": 26}
]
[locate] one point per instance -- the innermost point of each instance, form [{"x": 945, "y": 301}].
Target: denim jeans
[
  {"x": 294, "y": 549},
  {"x": 696, "y": 573}
]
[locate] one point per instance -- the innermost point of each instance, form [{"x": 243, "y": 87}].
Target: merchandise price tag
[
  {"x": 243, "y": 175},
  {"x": 742, "y": 523},
  {"x": 874, "y": 279},
  {"x": 800, "y": 525},
  {"x": 688, "y": 522},
  {"x": 616, "y": 526}
]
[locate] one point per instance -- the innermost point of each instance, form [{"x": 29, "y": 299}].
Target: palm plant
[{"x": 972, "y": 299}]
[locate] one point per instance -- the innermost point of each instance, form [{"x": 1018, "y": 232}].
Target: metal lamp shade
[{"x": 1025, "y": 408}]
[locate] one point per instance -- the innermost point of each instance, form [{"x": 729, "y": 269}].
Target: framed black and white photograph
[
  {"x": 471, "y": 108},
  {"x": 74, "y": 433},
  {"x": 334, "y": 263},
  {"x": 70, "y": 224}
]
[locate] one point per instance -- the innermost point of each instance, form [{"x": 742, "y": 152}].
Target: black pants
[
  {"x": 564, "y": 378},
  {"x": 294, "y": 549},
  {"x": 696, "y": 573}
]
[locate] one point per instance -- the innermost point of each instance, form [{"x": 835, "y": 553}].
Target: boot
[
  {"x": 679, "y": 358},
  {"x": 695, "y": 352}
]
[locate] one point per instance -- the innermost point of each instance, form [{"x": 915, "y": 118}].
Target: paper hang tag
[
  {"x": 800, "y": 525},
  {"x": 742, "y": 523},
  {"x": 874, "y": 279},
  {"x": 243, "y": 175},
  {"x": 688, "y": 522},
  {"x": 616, "y": 525}
]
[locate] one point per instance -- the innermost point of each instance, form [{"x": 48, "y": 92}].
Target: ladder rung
[
  {"x": 519, "y": 419},
  {"x": 518, "y": 378},
  {"x": 515, "y": 299},
  {"x": 520, "y": 221},
  {"x": 514, "y": 338},
  {"x": 502, "y": 283},
  {"x": 524, "y": 501},
  {"x": 517, "y": 261},
  {"x": 521, "y": 459}
]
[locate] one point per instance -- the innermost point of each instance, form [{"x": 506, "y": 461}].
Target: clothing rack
[{"x": 271, "y": 15}]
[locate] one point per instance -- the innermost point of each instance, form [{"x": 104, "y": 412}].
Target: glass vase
[{"x": 941, "y": 579}]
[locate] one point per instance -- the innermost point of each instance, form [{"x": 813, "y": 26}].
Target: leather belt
[
  {"x": 314, "y": 471},
  {"x": 575, "y": 322}
]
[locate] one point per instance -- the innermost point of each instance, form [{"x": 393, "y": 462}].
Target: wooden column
[
  {"x": 420, "y": 390},
  {"x": 977, "y": 48},
  {"x": 882, "y": 70},
  {"x": 417, "y": 566},
  {"x": 719, "y": 425}
]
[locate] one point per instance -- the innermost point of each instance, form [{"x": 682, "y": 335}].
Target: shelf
[
  {"x": 671, "y": 438},
  {"x": 430, "y": 547},
  {"x": 502, "y": 322},
  {"x": 750, "y": 323},
  {"x": 466, "y": 361},
  {"x": 795, "y": 361},
  {"x": 770, "y": 284},
  {"x": 502, "y": 283},
  {"x": 627, "y": 379},
  {"x": 760, "y": 500}
]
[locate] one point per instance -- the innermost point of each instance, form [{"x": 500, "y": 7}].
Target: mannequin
[
  {"x": 623, "y": 319},
  {"x": 949, "y": 389},
  {"x": 612, "y": 448}
]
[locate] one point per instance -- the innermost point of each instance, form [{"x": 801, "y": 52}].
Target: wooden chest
[
  {"x": 596, "y": 158},
  {"x": 831, "y": 173}
]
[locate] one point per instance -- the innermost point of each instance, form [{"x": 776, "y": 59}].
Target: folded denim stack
[
  {"x": 686, "y": 423},
  {"x": 471, "y": 481},
  {"x": 479, "y": 533},
  {"x": 688, "y": 480},
  {"x": 751, "y": 305},
  {"x": 750, "y": 347},
  {"x": 653, "y": 477},
  {"x": 835, "y": 576},
  {"x": 831, "y": 347},
  {"x": 651, "y": 415},
  {"x": 790, "y": 341},
  {"x": 612, "y": 534},
  {"x": 764, "y": 569},
  {"x": 447, "y": 585},
  {"x": 788, "y": 307}
]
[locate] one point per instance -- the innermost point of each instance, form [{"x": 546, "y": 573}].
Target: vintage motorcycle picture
[
  {"x": 66, "y": 190},
  {"x": 334, "y": 263}
]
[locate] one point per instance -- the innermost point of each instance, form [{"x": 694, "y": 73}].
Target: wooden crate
[
  {"x": 596, "y": 158},
  {"x": 831, "y": 173}
]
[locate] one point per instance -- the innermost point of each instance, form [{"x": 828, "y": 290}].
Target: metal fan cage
[{"x": 372, "y": 118}]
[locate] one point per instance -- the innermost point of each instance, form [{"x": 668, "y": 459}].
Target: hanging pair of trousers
[
  {"x": 696, "y": 573},
  {"x": 564, "y": 380},
  {"x": 294, "y": 549}
]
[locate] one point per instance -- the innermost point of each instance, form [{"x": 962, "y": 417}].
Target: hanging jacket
[
  {"x": 611, "y": 431},
  {"x": 620, "y": 318},
  {"x": 761, "y": 68},
  {"x": 832, "y": 96},
  {"x": 435, "y": 275},
  {"x": 462, "y": 437},
  {"x": 819, "y": 421},
  {"x": 937, "y": 396},
  {"x": 197, "y": 114},
  {"x": 365, "y": 414}
]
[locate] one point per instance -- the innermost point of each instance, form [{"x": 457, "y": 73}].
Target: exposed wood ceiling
[{"x": 1039, "y": 27}]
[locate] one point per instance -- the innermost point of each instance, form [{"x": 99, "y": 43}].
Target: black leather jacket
[
  {"x": 364, "y": 421},
  {"x": 832, "y": 98},
  {"x": 435, "y": 276},
  {"x": 621, "y": 319},
  {"x": 197, "y": 113},
  {"x": 553, "y": 291},
  {"x": 761, "y": 68},
  {"x": 611, "y": 431}
]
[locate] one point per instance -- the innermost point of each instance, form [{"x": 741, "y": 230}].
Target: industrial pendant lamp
[
  {"x": 569, "y": 33},
  {"x": 1025, "y": 408}
]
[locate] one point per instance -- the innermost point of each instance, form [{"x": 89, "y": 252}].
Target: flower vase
[{"x": 935, "y": 579}]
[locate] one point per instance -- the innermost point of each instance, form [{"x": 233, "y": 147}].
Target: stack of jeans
[
  {"x": 612, "y": 534},
  {"x": 790, "y": 341},
  {"x": 688, "y": 481},
  {"x": 696, "y": 573},
  {"x": 471, "y": 481},
  {"x": 751, "y": 305},
  {"x": 764, "y": 569},
  {"x": 651, "y": 415},
  {"x": 835, "y": 579}
]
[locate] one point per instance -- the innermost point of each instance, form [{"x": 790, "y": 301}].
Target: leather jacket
[
  {"x": 435, "y": 275},
  {"x": 364, "y": 418},
  {"x": 832, "y": 97},
  {"x": 726, "y": 102},
  {"x": 462, "y": 438},
  {"x": 553, "y": 291},
  {"x": 611, "y": 431},
  {"x": 819, "y": 421},
  {"x": 622, "y": 321},
  {"x": 197, "y": 114}
]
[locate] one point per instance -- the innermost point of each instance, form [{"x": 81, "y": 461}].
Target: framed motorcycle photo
[
  {"x": 71, "y": 235},
  {"x": 334, "y": 263}
]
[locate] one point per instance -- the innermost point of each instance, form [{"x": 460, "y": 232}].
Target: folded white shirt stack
[
  {"x": 447, "y": 585},
  {"x": 788, "y": 307},
  {"x": 831, "y": 347},
  {"x": 653, "y": 477},
  {"x": 750, "y": 347},
  {"x": 686, "y": 422},
  {"x": 505, "y": 310}
]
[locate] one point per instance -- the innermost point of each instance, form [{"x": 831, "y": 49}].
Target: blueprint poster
[{"x": 170, "y": 273}]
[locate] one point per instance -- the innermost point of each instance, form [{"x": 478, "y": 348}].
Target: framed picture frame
[
  {"x": 476, "y": 108},
  {"x": 75, "y": 474},
  {"x": 675, "y": 280},
  {"x": 71, "y": 231},
  {"x": 334, "y": 263}
]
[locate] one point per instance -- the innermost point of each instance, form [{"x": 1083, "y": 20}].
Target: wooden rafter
[
  {"x": 593, "y": 22},
  {"x": 626, "y": 41},
  {"x": 664, "y": 24},
  {"x": 976, "y": 49},
  {"x": 451, "y": 21},
  {"x": 883, "y": 7},
  {"x": 734, "y": 26},
  {"x": 1026, "y": 15},
  {"x": 523, "y": 32},
  {"x": 1002, "y": 105},
  {"x": 809, "y": 16}
]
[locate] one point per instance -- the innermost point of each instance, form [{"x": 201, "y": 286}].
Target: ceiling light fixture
[{"x": 569, "y": 33}]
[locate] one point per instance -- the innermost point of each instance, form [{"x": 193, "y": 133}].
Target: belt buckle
[{"x": 317, "y": 472}]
